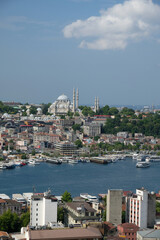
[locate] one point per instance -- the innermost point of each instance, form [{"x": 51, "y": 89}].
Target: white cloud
[{"x": 130, "y": 21}]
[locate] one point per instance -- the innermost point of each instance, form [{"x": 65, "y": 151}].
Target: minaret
[
  {"x": 73, "y": 100},
  {"x": 77, "y": 98},
  {"x": 95, "y": 105}
]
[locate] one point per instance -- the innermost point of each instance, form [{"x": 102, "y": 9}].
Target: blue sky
[{"x": 106, "y": 48}]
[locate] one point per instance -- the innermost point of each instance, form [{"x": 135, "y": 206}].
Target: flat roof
[{"x": 65, "y": 233}]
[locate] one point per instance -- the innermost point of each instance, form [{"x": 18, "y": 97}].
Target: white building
[
  {"x": 137, "y": 208},
  {"x": 63, "y": 104},
  {"x": 43, "y": 210}
]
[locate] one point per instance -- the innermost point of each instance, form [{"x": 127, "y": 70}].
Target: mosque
[{"x": 63, "y": 104}]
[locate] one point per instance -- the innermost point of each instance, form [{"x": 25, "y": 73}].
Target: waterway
[{"x": 79, "y": 178}]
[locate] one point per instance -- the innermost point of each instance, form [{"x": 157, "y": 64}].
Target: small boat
[
  {"x": 2, "y": 167},
  {"x": 142, "y": 165},
  {"x": 32, "y": 162},
  {"x": 73, "y": 161},
  {"x": 10, "y": 165}
]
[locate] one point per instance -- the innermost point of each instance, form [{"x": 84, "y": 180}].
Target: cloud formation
[{"x": 132, "y": 20}]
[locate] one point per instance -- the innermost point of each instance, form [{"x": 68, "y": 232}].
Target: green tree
[
  {"x": 25, "y": 218},
  {"x": 70, "y": 114},
  {"x": 123, "y": 216},
  {"x": 10, "y": 222},
  {"x": 45, "y": 108},
  {"x": 79, "y": 144},
  {"x": 96, "y": 138},
  {"x": 104, "y": 216},
  {"x": 24, "y": 156},
  {"x": 33, "y": 152},
  {"x": 158, "y": 207},
  {"x": 33, "y": 110},
  {"x": 66, "y": 197},
  {"x": 76, "y": 127},
  {"x": 60, "y": 214}
]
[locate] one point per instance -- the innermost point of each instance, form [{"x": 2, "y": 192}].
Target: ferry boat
[
  {"x": 142, "y": 165},
  {"x": 54, "y": 160}
]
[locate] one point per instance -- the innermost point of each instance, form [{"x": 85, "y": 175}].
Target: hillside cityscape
[
  {"x": 65, "y": 133},
  {"x": 79, "y": 120}
]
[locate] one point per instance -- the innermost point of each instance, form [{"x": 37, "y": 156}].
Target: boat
[
  {"x": 18, "y": 163},
  {"x": 54, "y": 160},
  {"x": 142, "y": 165},
  {"x": 2, "y": 167},
  {"x": 10, "y": 165},
  {"x": 73, "y": 161},
  {"x": 32, "y": 162}
]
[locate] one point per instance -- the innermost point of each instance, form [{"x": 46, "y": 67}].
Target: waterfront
[{"x": 83, "y": 177}]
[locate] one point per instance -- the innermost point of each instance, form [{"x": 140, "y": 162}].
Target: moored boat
[{"x": 142, "y": 165}]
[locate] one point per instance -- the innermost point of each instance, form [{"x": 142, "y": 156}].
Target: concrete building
[
  {"x": 66, "y": 148},
  {"x": 9, "y": 204},
  {"x": 114, "y": 206},
  {"x": 151, "y": 234},
  {"x": 128, "y": 231},
  {"x": 43, "y": 210},
  {"x": 79, "y": 212},
  {"x": 141, "y": 208},
  {"x": 92, "y": 129}
]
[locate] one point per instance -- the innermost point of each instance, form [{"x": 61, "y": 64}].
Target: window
[
  {"x": 36, "y": 219},
  {"x": 37, "y": 204},
  {"x": 36, "y": 214},
  {"x": 36, "y": 209}
]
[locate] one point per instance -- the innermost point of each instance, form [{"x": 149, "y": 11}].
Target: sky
[{"x": 106, "y": 48}]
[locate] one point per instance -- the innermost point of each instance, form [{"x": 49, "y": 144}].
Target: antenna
[{"x": 34, "y": 189}]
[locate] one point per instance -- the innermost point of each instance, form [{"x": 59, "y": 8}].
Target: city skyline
[{"x": 108, "y": 49}]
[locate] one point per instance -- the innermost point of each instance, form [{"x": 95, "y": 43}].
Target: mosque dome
[{"x": 62, "y": 98}]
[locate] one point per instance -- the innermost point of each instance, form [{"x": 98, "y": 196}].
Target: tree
[
  {"x": 158, "y": 207},
  {"x": 33, "y": 152},
  {"x": 79, "y": 144},
  {"x": 45, "y": 108},
  {"x": 96, "y": 138},
  {"x": 33, "y": 110},
  {"x": 60, "y": 214},
  {"x": 70, "y": 114},
  {"x": 25, "y": 218},
  {"x": 123, "y": 216},
  {"x": 24, "y": 156},
  {"x": 10, "y": 222},
  {"x": 76, "y": 127},
  {"x": 66, "y": 197}
]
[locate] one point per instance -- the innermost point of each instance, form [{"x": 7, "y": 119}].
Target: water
[{"x": 80, "y": 178}]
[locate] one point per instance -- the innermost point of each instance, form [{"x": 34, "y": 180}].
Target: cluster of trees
[
  {"x": 7, "y": 109},
  {"x": 106, "y": 110},
  {"x": 11, "y": 222},
  {"x": 87, "y": 111},
  {"x": 117, "y": 146},
  {"x": 149, "y": 126}
]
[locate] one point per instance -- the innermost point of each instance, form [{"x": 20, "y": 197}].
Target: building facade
[
  {"x": 63, "y": 105},
  {"x": 114, "y": 206},
  {"x": 43, "y": 210},
  {"x": 140, "y": 208}
]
